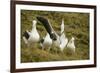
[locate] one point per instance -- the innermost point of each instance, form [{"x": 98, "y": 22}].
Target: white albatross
[
  {"x": 62, "y": 38},
  {"x": 46, "y": 42},
  {"x": 71, "y": 44},
  {"x": 32, "y": 36}
]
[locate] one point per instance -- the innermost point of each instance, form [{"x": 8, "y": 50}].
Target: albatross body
[
  {"x": 46, "y": 42},
  {"x": 62, "y": 38},
  {"x": 71, "y": 44},
  {"x": 32, "y": 36}
]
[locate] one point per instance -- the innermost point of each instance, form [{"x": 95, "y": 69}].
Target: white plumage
[
  {"x": 32, "y": 36},
  {"x": 63, "y": 38},
  {"x": 47, "y": 42},
  {"x": 61, "y": 41},
  {"x": 62, "y": 26},
  {"x": 71, "y": 44}
]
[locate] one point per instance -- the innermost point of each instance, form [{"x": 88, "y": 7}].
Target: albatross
[
  {"x": 63, "y": 38},
  {"x": 46, "y": 42},
  {"x": 32, "y": 36},
  {"x": 71, "y": 44}
]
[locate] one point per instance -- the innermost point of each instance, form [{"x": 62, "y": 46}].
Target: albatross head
[
  {"x": 73, "y": 38},
  {"x": 34, "y": 23}
]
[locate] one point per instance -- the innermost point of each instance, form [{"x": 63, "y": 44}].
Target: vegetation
[{"x": 76, "y": 24}]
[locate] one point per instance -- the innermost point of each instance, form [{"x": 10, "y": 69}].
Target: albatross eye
[{"x": 53, "y": 36}]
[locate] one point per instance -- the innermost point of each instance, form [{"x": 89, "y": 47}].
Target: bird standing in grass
[
  {"x": 61, "y": 41},
  {"x": 46, "y": 42},
  {"x": 63, "y": 38},
  {"x": 32, "y": 36},
  {"x": 71, "y": 44}
]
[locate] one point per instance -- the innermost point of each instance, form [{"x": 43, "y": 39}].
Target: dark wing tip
[
  {"x": 53, "y": 36},
  {"x": 26, "y": 34},
  {"x": 45, "y": 23},
  {"x": 42, "y": 19},
  {"x": 47, "y": 26}
]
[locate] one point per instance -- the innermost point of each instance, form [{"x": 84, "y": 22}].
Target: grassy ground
[{"x": 76, "y": 24}]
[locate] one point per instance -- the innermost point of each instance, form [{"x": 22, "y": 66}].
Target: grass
[
  {"x": 39, "y": 55},
  {"x": 76, "y": 24}
]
